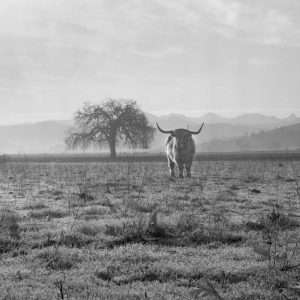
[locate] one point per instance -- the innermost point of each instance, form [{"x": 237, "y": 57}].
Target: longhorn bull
[{"x": 180, "y": 148}]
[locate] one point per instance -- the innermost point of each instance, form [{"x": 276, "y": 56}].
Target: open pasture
[{"x": 125, "y": 230}]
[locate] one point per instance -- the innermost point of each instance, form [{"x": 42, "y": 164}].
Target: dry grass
[{"x": 126, "y": 231}]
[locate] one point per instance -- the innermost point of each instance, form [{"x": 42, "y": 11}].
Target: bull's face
[
  {"x": 180, "y": 149},
  {"x": 182, "y": 139}
]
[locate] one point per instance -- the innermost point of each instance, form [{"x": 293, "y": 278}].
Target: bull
[{"x": 180, "y": 148}]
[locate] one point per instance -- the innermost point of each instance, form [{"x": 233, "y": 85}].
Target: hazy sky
[{"x": 222, "y": 56}]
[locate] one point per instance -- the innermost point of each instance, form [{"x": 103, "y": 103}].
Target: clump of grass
[
  {"x": 276, "y": 245},
  {"x": 226, "y": 196},
  {"x": 141, "y": 229},
  {"x": 48, "y": 213},
  {"x": 208, "y": 235},
  {"x": 113, "y": 229},
  {"x": 88, "y": 229},
  {"x": 59, "y": 259},
  {"x": 15, "y": 294},
  {"x": 194, "y": 231},
  {"x": 46, "y": 240},
  {"x": 95, "y": 211},
  {"x": 106, "y": 274},
  {"x": 252, "y": 178},
  {"x": 234, "y": 187},
  {"x": 187, "y": 230},
  {"x": 128, "y": 232},
  {"x": 275, "y": 218},
  {"x": 57, "y": 194},
  {"x": 206, "y": 289},
  {"x": 9, "y": 222},
  {"x": 282, "y": 220},
  {"x": 140, "y": 205},
  {"x": 255, "y": 226},
  {"x": 86, "y": 196},
  {"x": 187, "y": 223},
  {"x": 9, "y": 230},
  {"x": 36, "y": 205},
  {"x": 143, "y": 273},
  {"x": 74, "y": 239}
]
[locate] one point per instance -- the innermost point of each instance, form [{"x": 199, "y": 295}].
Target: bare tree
[{"x": 110, "y": 123}]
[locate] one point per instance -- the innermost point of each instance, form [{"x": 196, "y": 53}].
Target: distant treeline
[{"x": 145, "y": 157}]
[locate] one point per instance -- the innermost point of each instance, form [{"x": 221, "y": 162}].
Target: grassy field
[
  {"x": 125, "y": 230},
  {"x": 149, "y": 157}
]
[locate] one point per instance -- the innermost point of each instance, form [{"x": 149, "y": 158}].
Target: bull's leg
[
  {"x": 188, "y": 170},
  {"x": 171, "y": 167},
  {"x": 180, "y": 167}
]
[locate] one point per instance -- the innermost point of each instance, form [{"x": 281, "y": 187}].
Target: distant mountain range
[
  {"x": 254, "y": 120},
  {"x": 283, "y": 138},
  {"x": 245, "y": 132},
  {"x": 41, "y": 137}
]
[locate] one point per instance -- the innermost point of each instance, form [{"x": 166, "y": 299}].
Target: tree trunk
[{"x": 112, "y": 148}]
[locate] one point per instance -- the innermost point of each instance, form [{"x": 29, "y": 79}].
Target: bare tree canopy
[{"x": 110, "y": 123}]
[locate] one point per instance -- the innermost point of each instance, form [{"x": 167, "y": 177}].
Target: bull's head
[{"x": 181, "y": 135}]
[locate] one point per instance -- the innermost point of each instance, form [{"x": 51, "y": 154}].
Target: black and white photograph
[{"x": 150, "y": 149}]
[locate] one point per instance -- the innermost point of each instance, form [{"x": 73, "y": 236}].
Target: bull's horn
[
  {"x": 164, "y": 131},
  {"x": 198, "y": 131}
]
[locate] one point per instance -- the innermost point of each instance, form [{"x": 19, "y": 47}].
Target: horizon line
[{"x": 159, "y": 114}]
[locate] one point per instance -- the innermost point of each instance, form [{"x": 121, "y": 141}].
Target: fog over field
[{"x": 247, "y": 132}]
